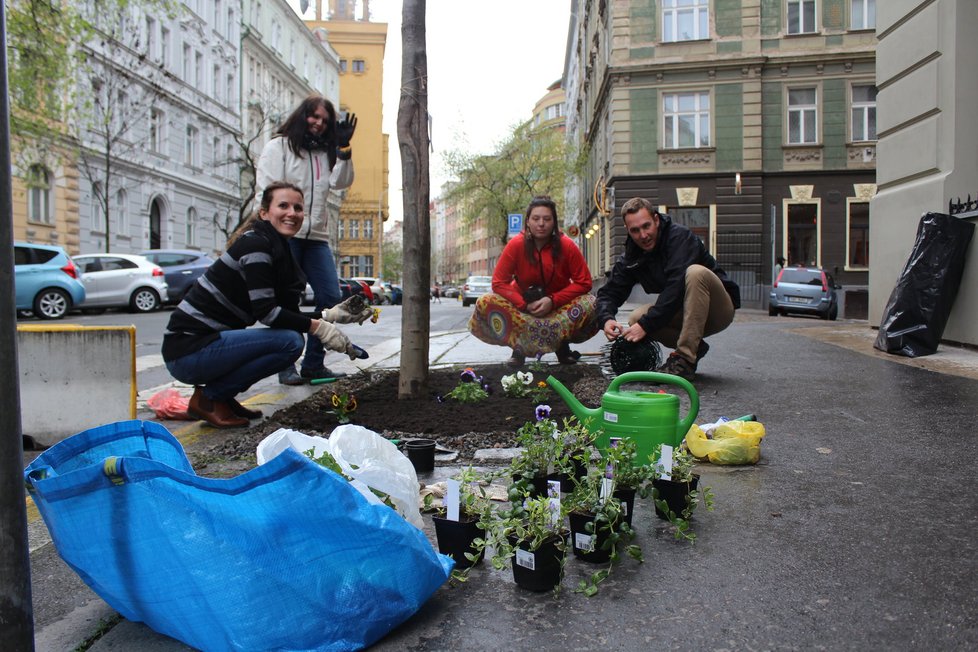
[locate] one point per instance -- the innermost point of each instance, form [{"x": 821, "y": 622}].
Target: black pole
[{"x": 16, "y": 608}]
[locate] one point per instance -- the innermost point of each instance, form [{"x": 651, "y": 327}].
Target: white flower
[{"x": 525, "y": 377}]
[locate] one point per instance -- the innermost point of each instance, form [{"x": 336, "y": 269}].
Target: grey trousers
[{"x": 707, "y": 309}]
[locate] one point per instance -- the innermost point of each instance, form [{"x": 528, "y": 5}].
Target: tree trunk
[{"x": 412, "y": 136}]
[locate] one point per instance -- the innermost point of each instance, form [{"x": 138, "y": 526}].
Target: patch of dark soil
[{"x": 466, "y": 427}]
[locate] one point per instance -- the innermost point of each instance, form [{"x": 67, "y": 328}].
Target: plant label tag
[
  {"x": 526, "y": 559},
  {"x": 664, "y": 467},
  {"x": 452, "y": 494},
  {"x": 607, "y": 486},
  {"x": 553, "y": 506},
  {"x": 611, "y": 417},
  {"x": 583, "y": 542}
]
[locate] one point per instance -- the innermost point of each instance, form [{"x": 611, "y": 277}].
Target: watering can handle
[{"x": 656, "y": 377}]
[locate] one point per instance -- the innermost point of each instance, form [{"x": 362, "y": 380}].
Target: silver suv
[
  {"x": 805, "y": 290},
  {"x": 475, "y": 287}
]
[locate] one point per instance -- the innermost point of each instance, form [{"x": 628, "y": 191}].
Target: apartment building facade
[{"x": 751, "y": 122}]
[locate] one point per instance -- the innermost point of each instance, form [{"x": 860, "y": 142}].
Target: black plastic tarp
[{"x": 917, "y": 312}]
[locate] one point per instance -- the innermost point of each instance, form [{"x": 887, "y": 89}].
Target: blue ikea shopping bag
[{"x": 287, "y": 556}]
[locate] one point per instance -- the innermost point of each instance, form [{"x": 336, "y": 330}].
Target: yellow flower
[
  {"x": 352, "y": 405},
  {"x": 541, "y": 384},
  {"x": 335, "y": 400}
]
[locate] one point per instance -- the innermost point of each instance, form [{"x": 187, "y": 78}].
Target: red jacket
[{"x": 514, "y": 273}]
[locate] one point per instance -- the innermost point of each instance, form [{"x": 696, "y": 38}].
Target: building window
[
  {"x": 342, "y": 65},
  {"x": 186, "y": 63},
  {"x": 217, "y": 13},
  {"x": 686, "y": 120},
  {"x": 694, "y": 218},
  {"x": 341, "y": 229},
  {"x": 191, "y": 227},
  {"x": 359, "y": 65},
  {"x": 802, "y": 116},
  {"x": 156, "y": 135},
  {"x": 231, "y": 160},
  {"x": 122, "y": 212},
  {"x": 368, "y": 265},
  {"x": 801, "y": 16},
  {"x": 230, "y": 25},
  {"x": 150, "y": 37},
  {"x": 165, "y": 47},
  {"x": 39, "y": 197},
  {"x": 802, "y": 234},
  {"x": 199, "y": 70},
  {"x": 354, "y": 229},
  {"x": 863, "y": 113},
  {"x": 554, "y": 111},
  {"x": 857, "y": 245},
  {"x": 192, "y": 147},
  {"x": 216, "y": 83},
  {"x": 97, "y": 198},
  {"x": 685, "y": 20},
  {"x": 863, "y": 14},
  {"x": 368, "y": 229},
  {"x": 229, "y": 96}
]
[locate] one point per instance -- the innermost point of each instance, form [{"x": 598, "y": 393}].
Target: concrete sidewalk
[{"x": 833, "y": 541}]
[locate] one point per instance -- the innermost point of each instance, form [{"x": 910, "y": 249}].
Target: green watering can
[{"x": 648, "y": 418}]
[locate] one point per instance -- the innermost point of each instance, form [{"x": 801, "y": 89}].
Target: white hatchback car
[
  {"x": 121, "y": 281},
  {"x": 380, "y": 294}
]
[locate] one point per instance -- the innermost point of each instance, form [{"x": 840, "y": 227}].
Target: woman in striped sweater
[{"x": 208, "y": 343}]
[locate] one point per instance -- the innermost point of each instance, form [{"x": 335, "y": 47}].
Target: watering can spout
[{"x": 582, "y": 413}]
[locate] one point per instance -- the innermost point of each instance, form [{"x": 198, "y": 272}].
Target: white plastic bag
[{"x": 365, "y": 456}]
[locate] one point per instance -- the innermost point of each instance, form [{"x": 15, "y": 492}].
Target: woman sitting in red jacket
[{"x": 540, "y": 300}]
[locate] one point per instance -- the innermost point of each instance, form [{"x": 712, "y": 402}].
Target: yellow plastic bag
[{"x": 734, "y": 442}]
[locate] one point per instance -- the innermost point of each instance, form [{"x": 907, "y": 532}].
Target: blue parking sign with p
[{"x": 515, "y": 224}]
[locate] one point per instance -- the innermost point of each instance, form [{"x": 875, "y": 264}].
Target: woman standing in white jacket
[{"x": 311, "y": 150}]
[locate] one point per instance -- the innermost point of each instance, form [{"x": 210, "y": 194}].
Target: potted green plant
[
  {"x": 677, "y": 496},
  {"x": 573, "y": 456},
  {"x": 532, "y": 538},
  {"x": 599, "y": 528},
  {"x": 631, "y": 477},
  {"x": 542, "y": 444},
  {"x": 460, "y": 528}
]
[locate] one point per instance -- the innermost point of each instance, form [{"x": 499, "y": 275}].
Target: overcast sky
[{"x": 488, "y": 64}]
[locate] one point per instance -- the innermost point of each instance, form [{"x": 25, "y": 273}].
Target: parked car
[
  {"x": 395, "y": 293},
  {"x": 804, "y": 290},
  {"x": 349, "y": 287},
  {"x": 450, "y": 292},
  {"x": 368, "y": 292},
  {"x": 181, "y": 267},
  {"x": 121, "y": 281},
  {"x": 379, "y": 294},
  {"x": 45, "y": 281},
  {"x": 475, "y": 287}
]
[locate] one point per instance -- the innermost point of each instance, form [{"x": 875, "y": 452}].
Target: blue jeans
[
  {"x": 316, "y": 260},
  {"x": 237, "y": 360}
]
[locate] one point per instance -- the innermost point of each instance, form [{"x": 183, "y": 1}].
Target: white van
[{"x": 380, "y": 294}]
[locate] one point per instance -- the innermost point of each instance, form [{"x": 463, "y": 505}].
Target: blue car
[
  {"x": 181, "y": 267},
  {"x": 46, "y": 280}
]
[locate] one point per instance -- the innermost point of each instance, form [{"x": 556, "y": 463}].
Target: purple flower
[
  {"x": 543, "y": 412},
  {"x": 468, "y": 375},
  {"x": 440, "y": 398},
  {"x": 539, "y": 355},
  {"x": 487, "y": 387}
]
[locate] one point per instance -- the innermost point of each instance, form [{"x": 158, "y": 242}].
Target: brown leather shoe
[
  {"x": 241, "y": 411},
  {"x": 216, "y": 413}
]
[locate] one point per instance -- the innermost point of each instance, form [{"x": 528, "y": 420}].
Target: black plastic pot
[
  {"x": 455, "y": 539},
  {"x": 421, "y": 452},
  {"x": 676, "y": 495},
  {"x": 627, "y": 498},
  {"x": 588, "y": 546},
  {"x": 541, "y": 569}
]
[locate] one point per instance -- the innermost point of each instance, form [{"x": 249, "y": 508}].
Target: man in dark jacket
[{"x": 669, "y": 260}]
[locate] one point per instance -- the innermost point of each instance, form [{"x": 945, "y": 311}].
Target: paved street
[{"x": 856, "y": 530}]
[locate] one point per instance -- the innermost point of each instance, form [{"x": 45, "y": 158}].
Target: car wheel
[
  {"x": 51, "y": 303},
  {"x": 144, "y": 300},
  {"x": 772, "y": 312},
  {"x": 834, "y": 313},
  {"x": 465, "y": 303}
]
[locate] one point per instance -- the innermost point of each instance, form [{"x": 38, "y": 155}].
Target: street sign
[{"x": 515, "y": 224}]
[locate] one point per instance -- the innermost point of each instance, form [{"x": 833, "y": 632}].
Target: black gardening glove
[{"x": 345, "y": 129}]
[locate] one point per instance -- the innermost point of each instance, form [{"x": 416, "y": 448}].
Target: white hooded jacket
[{"x": 310, "y": 172}]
